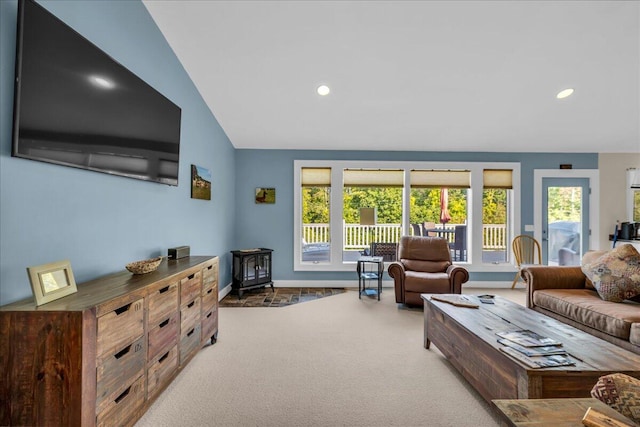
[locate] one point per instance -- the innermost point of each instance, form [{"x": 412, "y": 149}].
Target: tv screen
[{"x": 76, "y": 106}]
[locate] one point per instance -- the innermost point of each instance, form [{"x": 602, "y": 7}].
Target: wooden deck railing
[{"x": 356, "y": 236}]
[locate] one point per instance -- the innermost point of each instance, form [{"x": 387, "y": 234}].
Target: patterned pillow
[
  {"x": 621, "y": 392},
  {"x": 616, "y": 274}
]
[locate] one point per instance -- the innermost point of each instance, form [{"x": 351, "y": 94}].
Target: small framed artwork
[
  {"x": 51, "y": 281},
  {"x": 265, "y": 195},
  {"x": 200, "y": 183}
]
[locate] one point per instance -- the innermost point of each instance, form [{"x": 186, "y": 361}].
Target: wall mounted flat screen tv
[{"x": 76, "y": 106}]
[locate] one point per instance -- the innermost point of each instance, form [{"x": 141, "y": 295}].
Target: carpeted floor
[
  {"x": 338, "y": 361},
  {"x": 277, "y": 297}
]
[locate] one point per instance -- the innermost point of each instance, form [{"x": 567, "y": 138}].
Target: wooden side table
[
  {"x": 374, "y": 273},
  {"x": 552, "y": 412}
]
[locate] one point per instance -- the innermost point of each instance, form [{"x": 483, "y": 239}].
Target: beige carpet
[{"x": 336, "y": 361}]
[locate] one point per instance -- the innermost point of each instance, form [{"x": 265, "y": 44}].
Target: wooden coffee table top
[
  {"x": 552, "y": 412},
  {"x": 591, "y": 353}
]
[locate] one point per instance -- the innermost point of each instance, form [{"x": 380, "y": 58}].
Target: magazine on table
[
  {"x": 549, "y": 361},
  {"x": 527, "y": 338},
  {"x": 534, "y": 351}
]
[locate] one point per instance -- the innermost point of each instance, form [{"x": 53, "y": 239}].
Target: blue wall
[
  {"x": 271, "y": 226},
  {"x": 97, "y": 221}
]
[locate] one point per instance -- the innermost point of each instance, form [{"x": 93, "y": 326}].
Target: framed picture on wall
[
  {"x": 265, "y": 195},
  {"x": 200, "y": 183}
]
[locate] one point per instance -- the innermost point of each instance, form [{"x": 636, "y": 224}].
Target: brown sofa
[
  {"x": 424, "y": 266},
  {"x": 564, "y": 293}
]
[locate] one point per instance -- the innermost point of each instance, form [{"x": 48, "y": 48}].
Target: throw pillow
[
  {"x": 588, "y": 258},
  {"x": 621, "y": 392},
  {"x": 616, "y": 274}
]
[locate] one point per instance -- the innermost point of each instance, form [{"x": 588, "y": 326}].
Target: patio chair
[
  {"x": 386, "y": 250},
  {"x": 429, "y": 226},
  {"x": 417, "y": 229},
  {"x": 459, "y": 245}
]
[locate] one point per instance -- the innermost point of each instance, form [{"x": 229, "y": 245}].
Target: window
[
  {"x": 436, "y": 198},
  {"x": 439, "y": 207},
  {"x": 316, "y": 208},
  {"x": 496, "y": 193},
  {"x": 381, "y": 191}
]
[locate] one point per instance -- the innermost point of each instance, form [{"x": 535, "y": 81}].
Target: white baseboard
[
  {"x": 385, "y": 284},
  {"x": 354, "y": 284}
]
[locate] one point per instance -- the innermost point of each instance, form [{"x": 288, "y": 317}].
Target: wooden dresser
[{"x": 102, "y": 355}]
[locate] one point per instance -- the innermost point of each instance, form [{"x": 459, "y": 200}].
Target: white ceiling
[{"x": 414, "y": 75}]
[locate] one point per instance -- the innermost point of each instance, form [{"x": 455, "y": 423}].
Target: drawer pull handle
[
  {"x": 210, "y": 267},
  {"x": 163, "y": 324},
  {"x": 122, "y": 309},
  {"x": 122, "y": 352},
  {"x": 191, "y": 304},
  {"x": 123, "y": 395},
  {"x": 191, "y": 276},
  {"x": 164, "y": 357},
  {"x": 210, "y": 290},
  {"x": 163, "y": 290},
  {"x": 191, "y": 332},
  {"x": 210, "y": 314}
]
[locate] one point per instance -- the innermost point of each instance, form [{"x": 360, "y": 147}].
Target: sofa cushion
[
  {"x": 616, "y": 274},
  {"x": 586, "y": 307},
  {"x": 439, "y": 283},
  {"x": 621, "y": 392}
]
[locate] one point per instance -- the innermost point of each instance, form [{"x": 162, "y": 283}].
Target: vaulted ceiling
[{"x": 414, "y": 75}]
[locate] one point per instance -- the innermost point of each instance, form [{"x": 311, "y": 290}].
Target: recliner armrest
[
  {"x": 551, "y": 277},
  {"x": 457, "y": 276},
  {"x": 396, "y": 271}
]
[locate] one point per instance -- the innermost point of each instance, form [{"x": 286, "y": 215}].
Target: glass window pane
[
  {"x": 564, "y": 219},
  {"x": 636, "y": 206},
  {"x": 316, "y": 232},
  {"x": 495, "y": 225},
  {"x": 441, "y": 212},
  {"x": 358, "y": 238}
]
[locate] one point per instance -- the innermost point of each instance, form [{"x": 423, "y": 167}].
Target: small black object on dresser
[
  {"x": 178, "y": 252},
  {"x": 251, "y": 269}
]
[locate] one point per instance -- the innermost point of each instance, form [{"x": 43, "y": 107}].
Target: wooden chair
[{"x": 526, "y": 250}]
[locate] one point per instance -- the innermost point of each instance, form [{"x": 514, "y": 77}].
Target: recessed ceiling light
[
  {"x": 564, "y": 93},
  {"x": 323, "y": 90},
  {"x": 102, "y": 82}
]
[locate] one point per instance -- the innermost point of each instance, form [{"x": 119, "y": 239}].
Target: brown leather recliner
[{"x": 424, "y": 266}]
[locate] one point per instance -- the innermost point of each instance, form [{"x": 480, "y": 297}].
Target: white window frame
[{"x": 474, "y": 207}]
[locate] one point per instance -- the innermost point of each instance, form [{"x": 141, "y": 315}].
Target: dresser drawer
[
  {"x": 113, "y": 370},
  {"x": 163, "y": 335},
  {"x": 120, "y": 327},
  {"x": 190, "y": 287},
  {"x": 209, "y": 323},
  {"x": 161, "y": 370},
  {"x": 210, "y": 274},
  {"x": 122, "y": 404},
  {"x": 189, "y": 342},
  {"x": 209, "y": 298},
  {"x": 162, "y": 301},
  {"x": 190, "y": 314}
]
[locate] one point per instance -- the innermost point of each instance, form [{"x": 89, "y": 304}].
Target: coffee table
[
  {"x": 553, "y": 412},
  {"x": 467, "y": 338}
]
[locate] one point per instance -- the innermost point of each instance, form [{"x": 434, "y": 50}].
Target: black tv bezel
[{"x": 17, "y": 102}]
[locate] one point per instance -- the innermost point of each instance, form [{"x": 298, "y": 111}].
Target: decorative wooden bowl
[{"x": 144, "y": 266}]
